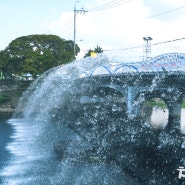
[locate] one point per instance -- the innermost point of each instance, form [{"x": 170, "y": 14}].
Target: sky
[{"x": 117, "y": 26}]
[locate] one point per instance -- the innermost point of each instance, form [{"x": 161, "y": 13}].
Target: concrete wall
[{"x": 13, "y": 90}]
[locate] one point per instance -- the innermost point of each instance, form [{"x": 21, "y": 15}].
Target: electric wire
[
  {"x": 150, "y": 17},
  {"x": 104, "y": 5},
  {"x": 166, "y": 12},
  {"x": 69, "y": 21},
  {"x": 136, "y": 47},
  {"x": 116, "y": 3},
  {"x": 168, "y": 41},
  {"x": 67, "y": 29},
  {"x": 69, "y": 26},
  {"x": 109, "y": 5}
]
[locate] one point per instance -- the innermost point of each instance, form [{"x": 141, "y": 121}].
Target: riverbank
[
  {"x": 10, "y": 93},
  {"x": 6, "y": 113}
]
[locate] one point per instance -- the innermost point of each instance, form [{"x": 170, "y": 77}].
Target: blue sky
[
  {"x": 20, "y": 17},
  {"x": 116, "y": 27}
]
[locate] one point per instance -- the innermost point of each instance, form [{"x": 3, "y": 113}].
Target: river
[
  {"x": 6, "y": 131},
  {"x": 28, "y": 158},
  {"x": 25, "y": 162}
]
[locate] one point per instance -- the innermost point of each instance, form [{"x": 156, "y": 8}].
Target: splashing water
[
  {"x": 44, "y": 127},
  {"x": 38, "y": 126}
]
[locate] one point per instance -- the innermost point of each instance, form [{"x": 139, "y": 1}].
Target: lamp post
[
  {"x": 75, "y": 13},
  {"x": 75, "y": 28},
  {"x": 147, "y": 48}
]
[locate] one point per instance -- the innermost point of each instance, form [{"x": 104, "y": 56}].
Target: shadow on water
[{"x": 6, "y": 130}]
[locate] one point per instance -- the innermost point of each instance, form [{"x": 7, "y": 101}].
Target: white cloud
[
  {"x": 63, "y": 25},
  {"x": 125, "y": 26}
]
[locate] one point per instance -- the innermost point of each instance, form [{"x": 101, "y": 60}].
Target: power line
[
  {"x": 166, "y": 12},
  {"x": 109, "y": 5},
  {"x": 164, "y": 42},
  {"x": 68, "y": 25},
  {"x": 104, "y": 5},
  {"x": 150, "y": 17},
  {"x": 136, "y": 47}
]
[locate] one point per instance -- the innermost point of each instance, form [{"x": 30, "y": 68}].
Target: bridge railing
[{"x": 166, "y": 62}]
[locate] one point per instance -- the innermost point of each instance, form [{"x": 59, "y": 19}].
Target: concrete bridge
[
  {"x": 105, "y": 107},
  {"x": 133, "y": 84}
]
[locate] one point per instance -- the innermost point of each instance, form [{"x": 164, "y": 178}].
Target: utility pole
[
  {"x": 75, "y": 13},
  {"x": 147, "y": 48}
]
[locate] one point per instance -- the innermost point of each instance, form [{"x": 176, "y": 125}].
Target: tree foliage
[
  {"x": 97, "y": 49},
  {"x": 36, "y": 54}
]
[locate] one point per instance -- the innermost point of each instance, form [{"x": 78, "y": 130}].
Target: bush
[{"x": 4, "y": 99}]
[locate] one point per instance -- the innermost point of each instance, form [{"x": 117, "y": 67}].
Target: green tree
[
  {"x": 36, "y": 54},
  {"x": 88, "y": 54},
  {"x": 97, "y": 49}
]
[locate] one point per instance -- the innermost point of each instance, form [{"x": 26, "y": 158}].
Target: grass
[
  {"x": 160, "y": 103},
  {"x": 157, "y": 103}
]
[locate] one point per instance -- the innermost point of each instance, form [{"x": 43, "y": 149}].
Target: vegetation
[
  {"x": 160, "y": 103},
  {"x": 4, "y": 99},
  {"x": 97, "y": 49},
  {"x": 157, "y": 103},
  {"x": 183, "y": 104},
  {"x": 35, "y": 54}
]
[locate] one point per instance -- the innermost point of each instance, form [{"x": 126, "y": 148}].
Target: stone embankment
[{"x": 10, "y": 92}]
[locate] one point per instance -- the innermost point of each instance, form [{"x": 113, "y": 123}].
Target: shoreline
[
  {"x": 6, "y": 113},
  {"x": 6, "y": 131}
]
